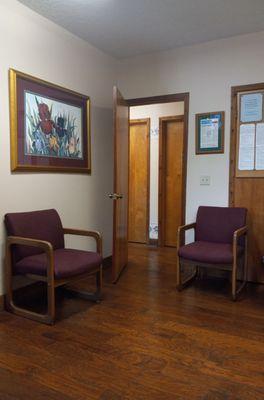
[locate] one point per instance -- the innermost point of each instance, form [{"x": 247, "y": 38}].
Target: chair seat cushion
[
  {"x": 67, "y": 263},
  {"x": 208, "y": 252}
]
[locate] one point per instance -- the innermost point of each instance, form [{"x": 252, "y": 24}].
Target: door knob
[{"x": 115, "y": 196}]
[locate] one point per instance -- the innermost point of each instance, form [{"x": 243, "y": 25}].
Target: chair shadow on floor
[{"x": 34, "y": 298}]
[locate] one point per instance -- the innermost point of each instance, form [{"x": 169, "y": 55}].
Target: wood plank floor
[{"x": 144, "y": 341}]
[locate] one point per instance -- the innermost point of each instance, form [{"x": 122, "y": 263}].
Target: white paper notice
[
  {"x": 246, "y": 147},
  {"x": 251, "y": 107},
  {"x": 209, "y": 133},
  {"x": 260, "y": 146}
]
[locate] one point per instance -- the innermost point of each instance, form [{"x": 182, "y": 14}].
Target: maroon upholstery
[
  {"x": 209, "y": 252},
  {"x": 217, "y": 224},
  {"x": 67, "y": 263},
  {"x": 41, "y": 225},
  {"x": 46, "y": 225},
  {"x": 215, "y": 227}
]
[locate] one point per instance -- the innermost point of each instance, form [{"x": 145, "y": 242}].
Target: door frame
[
  {"x": 147, "y": 122},
  {"x": 171, "y": 98},
  {"x": 161, "y": 212}
]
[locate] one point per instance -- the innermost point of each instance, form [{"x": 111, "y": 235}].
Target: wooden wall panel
[{"x": 249, "y": 193}]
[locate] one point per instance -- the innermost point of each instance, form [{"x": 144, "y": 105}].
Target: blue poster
[{"x": 251, "y": 107}]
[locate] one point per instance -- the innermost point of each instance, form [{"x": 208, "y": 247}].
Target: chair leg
[
  {"x": 245, "y": 267},
  {"x": 236, "y": 291},
  {"x": 51, "y": 303},
  {"x": 99, "y": 280},
  {"x": 13, "y": 308},
  {"x": 178, "y": 274},
  {"x": 83, "y": 294},
  {"x": 234, "y": 277},
  {"x": 181, "y": 284},
  {"x": 48, "y": 318}
]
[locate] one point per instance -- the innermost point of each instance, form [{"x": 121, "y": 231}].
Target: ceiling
[{"x": 125, "y": 28}]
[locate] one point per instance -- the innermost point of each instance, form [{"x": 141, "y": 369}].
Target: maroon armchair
[
  {"x": 220, "y": 242},
  {"x": 35, "y": 248}
]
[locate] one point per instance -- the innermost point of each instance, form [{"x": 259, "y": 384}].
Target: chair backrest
[
  {"x": 41, "y": 225},
  {"x": 217, "y": 224}
]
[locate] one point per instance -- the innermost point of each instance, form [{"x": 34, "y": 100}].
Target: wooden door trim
[
  {"x": 233, "y": 134},
  {"x": 147, "y": 122},
  {"x": 167, "y": 98},
  {"x": 171, "y": 98},
  {"x": 179, "y": 118}
]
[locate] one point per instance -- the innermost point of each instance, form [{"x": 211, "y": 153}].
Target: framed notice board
[
  {"x": 210, "y": 132},
  {"x": 250, "y": 134}
]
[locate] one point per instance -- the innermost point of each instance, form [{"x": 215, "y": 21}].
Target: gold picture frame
[{"x": 41, "y": 142}]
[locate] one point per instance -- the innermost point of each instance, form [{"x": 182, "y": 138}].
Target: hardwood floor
[{"x": 144, "y": 341}]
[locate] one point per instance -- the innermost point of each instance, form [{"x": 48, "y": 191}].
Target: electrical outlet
[{"x": 205, "y": 180}]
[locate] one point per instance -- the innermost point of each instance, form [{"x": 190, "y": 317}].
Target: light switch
[{"x": 205, "y": 180}]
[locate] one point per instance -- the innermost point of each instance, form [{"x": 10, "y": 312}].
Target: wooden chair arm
[
  {"x": 42, "y": 244},
  {"x": 80, "y": 232},
  {"x": 187, "y": 227},
  {"x": 239, "y": 232},
  {"x": 23, "y": 241},
  {"x": 183, "y": 229}
]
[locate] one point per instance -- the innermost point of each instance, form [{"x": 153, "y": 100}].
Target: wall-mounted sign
[{"x": 210, "y": 133}]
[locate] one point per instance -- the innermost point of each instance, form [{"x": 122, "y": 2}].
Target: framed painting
[
  {"x": 210, "y": 132},
  {"x": 50, "y": 126}
]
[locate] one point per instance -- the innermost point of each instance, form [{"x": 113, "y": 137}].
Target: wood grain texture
[
  {"x": 145, "y": 341},
  {"x": 167, "y": 98},
  {"x": 247, "y": 192},
  {"x": 171, "y": 179},
  {"x": 121, "y": 160},
  {"x": 139, "y": 177}
]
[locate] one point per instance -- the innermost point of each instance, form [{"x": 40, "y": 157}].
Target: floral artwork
[
  {"x": 49, "y": 126},
  {"x": 53, "y": 128}
]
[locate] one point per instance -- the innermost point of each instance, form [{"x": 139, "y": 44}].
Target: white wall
[
  {"x": 154, "y": 112},
  {"x": 207, "y": 71},
  {"x": 38, "y": 47}
]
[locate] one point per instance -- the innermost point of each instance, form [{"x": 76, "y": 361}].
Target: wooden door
[
  {"x": 171, "y": 178},
  {"x": 248, "y": 191},
  {"x": 120, "y": 195},
  {"x": 138, "y": 217}
]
